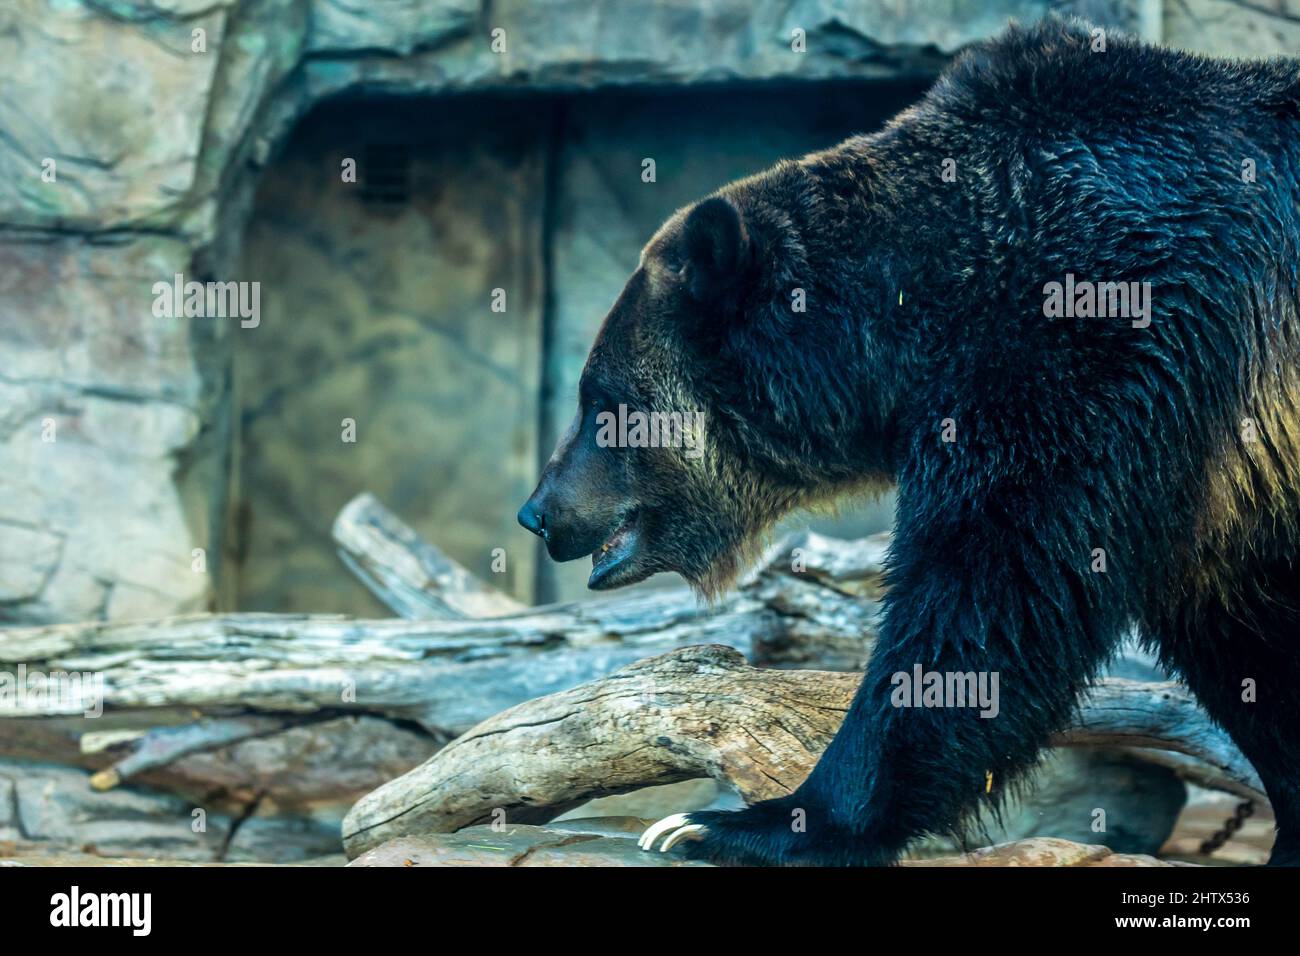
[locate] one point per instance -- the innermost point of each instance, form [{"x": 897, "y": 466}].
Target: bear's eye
[
  {"x": 675, "y": 266},
  {"x": 593, "y": 398}
]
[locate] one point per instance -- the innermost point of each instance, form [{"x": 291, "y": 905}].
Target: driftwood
[
  {"x": 705, "y": 712},
  {"x": 447, "y": 674},
  {"x": 307, "y": 708},
  {"x": 179, "y": 691},
  {"x": 407, "y": 573},
  {"x": 160, "y": 746}
]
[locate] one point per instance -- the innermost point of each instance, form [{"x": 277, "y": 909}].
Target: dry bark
[
  {"x": 290, "y": 694},
  {"x": 407, "y": 573},
  {"x": 180, "y": 691},
  {"x": 705, "y": 712}
]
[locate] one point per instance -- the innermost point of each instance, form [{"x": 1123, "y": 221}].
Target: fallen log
[
  {"x": 447, "y": 675},
  {"x": 407, "y": 573},
  {"x": 305, "y": 712},
  {"x": 705, "y": 712},
  {"x": 188, "y": 701},
  {"x": 160, "y": 746},
  {"x": 192, "y": 704}
]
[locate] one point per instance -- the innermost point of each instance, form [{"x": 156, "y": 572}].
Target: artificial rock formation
[{"x": 136, "y": 136}]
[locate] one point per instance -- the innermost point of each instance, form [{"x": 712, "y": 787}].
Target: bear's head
[{"x": 705, "y": 412}]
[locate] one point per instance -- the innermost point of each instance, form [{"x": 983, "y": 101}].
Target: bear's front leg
[
  {"x": 988, "y": 637},
  {"x": 891, "y": 773}
]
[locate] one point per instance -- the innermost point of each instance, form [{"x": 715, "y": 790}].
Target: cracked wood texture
[
  {"x": 579, "y": 710},
  {"x": 182, "y": 695},
  {"x": 705, "y": 712},
  {"x": 449, "y": 675},
  {"x": 407, "y": 573}
]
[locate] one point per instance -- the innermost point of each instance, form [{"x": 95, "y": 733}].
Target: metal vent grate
[{"x": 386, "y": 175}]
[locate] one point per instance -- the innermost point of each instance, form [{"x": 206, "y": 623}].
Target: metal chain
[{"x": 1230, "y": 826}]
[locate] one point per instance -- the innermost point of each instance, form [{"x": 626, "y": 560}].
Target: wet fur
[{"x": 1072, "y": 434}]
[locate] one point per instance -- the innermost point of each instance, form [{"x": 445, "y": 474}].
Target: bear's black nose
[{"x": 532, "y": 519}]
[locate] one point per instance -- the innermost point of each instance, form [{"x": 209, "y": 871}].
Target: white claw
[
  {"x": 679, "y": 835},
  {"x": 656, "y": 830}
]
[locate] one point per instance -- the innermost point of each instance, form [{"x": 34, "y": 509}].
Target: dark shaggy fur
[{"x": 1175, "y": 448}]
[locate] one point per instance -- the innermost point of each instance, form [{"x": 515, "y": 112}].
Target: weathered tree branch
[
  {"x": 1162, "y": 723},
  {"x": 446, "y": 674},
  {"x": 176, "y": 689},
  {"x": 407, "y": 573},
  {"x": 159, "y": 746},
  {"x": 705, "y": 712},
  {"x": 187, "y": 700}
]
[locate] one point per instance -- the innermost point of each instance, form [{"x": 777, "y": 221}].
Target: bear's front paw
[
  {"x": 673, "y": 829},
  {"x": 723, "y": 837},
  {"x": 772, "y": 833}
]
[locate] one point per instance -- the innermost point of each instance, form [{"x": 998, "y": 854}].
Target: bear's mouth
[{"x": 612, "y": 563}]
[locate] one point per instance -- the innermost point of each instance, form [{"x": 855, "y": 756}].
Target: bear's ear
[{"x": 717, "y": 248}]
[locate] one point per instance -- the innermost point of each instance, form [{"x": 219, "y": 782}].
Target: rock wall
[
  {"x": 378, "y": 308},
  {"x": 136, "y": 134}
]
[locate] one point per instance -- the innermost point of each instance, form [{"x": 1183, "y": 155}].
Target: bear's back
[{"x": 1060, "y": 72}]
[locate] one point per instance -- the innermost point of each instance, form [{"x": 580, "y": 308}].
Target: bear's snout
[{"x": 533, "y": 518}]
